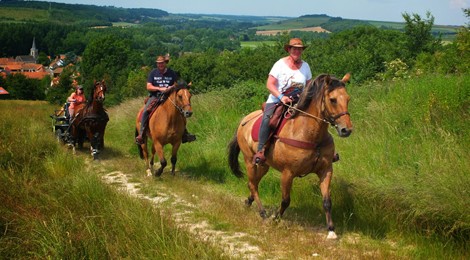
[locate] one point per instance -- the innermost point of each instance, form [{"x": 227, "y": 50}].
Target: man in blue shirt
[{"x": 160, "y": 81}]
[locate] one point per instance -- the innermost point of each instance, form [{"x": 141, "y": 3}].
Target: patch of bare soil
[{"x": 306, "y": 29}]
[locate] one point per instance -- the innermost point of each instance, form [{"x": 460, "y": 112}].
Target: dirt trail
[{"x": 233, "y": 244}]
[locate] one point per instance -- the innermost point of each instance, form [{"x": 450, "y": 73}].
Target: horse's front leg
[
  {"x": 174, "y": 157},
  {"x": 158, "y": 148},
  {"x": 325, "y": 180},
  {"x": 94, "y": 144},
  {"x": 286, "y": 185}
]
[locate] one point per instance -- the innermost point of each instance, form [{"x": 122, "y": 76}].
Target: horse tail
[
  {"x": 233, "y": 152},
  {"x": 141, "y": 152}
]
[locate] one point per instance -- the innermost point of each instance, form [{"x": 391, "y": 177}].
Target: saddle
[
  {"x": 277, "y": 121},
  {"x": 160, "y": 99}
]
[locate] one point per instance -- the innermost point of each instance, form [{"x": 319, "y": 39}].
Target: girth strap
[{"x": 297, "y": 143}]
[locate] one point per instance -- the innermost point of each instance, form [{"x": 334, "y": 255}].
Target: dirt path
[
  {"x": 234, "y": 244},
  {"x": 219, "y": 218}
]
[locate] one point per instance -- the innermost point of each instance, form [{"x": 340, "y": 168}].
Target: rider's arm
[
  {"x": 71, "y": 98},
  {"x": 271, "y": 85},
  {"x": 151, "y": 87}
]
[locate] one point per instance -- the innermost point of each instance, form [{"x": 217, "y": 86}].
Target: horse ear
[
  {"x": 190, "y": 83},
  {"x": 346, "y": 78},
  {"x": 328, "y": 79}
]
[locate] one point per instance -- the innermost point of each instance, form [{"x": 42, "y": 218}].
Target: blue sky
[{"x": 445, "y": 12}]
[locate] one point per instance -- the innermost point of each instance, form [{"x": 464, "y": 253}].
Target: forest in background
[{"x": 207, "y": 50}]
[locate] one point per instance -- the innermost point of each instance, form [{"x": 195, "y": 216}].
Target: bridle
[
  {"x": 179, "y": 108},
  {"x": 99, "y": 96},
  {"x": 327, "y": 118}
]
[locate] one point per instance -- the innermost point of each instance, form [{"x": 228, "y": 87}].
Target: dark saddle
[{"x": 277, "y": 121}]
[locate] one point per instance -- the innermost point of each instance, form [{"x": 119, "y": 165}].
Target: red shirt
[{"x": 78, "y": 99}]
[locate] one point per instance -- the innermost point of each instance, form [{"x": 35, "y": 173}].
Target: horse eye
[{"x": 333, "y": 100}]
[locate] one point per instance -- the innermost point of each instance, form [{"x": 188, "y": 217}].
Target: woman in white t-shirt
[{"x": 288, "y": 72}]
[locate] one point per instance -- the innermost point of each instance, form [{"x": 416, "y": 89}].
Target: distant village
[{"x": 28, "y": 66}]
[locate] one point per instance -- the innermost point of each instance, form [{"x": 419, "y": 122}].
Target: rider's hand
[{"x": 286, "y": 100}]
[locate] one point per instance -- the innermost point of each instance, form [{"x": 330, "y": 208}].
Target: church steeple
[{"x": 34, "y": 51}]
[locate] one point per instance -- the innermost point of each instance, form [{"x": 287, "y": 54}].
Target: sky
[{"x": 445, "y": 12}]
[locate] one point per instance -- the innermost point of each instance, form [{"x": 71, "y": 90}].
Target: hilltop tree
[{"x": 418, "y": 32}]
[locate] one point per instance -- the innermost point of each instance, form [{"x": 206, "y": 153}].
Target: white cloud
[{"x": 459, "y": 4}]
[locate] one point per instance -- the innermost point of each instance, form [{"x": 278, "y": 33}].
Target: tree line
[{"x": 212, "y": 57}]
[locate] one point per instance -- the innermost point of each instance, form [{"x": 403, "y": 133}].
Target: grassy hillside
[
  {"x": 336, "y": 24},
  {"x": 53, "y": 206},
  {"x": 401, "y": 180},
  {"x": 398, "y": 191}
]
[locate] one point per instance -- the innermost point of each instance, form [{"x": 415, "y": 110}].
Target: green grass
[
  {"x": 399, "y": 190},
  {"x": 23, "y": 14},
  {"x": 54, "y": 207}
]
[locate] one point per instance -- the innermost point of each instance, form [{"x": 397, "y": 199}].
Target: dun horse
[
  {"x": 91, "y": 120},
  {"x": 166, "y": 126},
  {"x": 301, "y": 147}
]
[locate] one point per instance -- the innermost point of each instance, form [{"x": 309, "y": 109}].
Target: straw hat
[
  {"x": 161, "y": 59},
  {"x": 294, "y": 42}
]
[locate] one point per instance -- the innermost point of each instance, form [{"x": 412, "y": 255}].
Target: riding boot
[
  {"x": 336, "y": 157},
  {"x": 139, "y": 140},
  {"x": 187, "y": 137}
]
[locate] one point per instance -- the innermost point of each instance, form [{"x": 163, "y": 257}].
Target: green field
[{"x": 398, "y": 191}]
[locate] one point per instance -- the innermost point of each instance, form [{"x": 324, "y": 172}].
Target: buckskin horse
[
  {"x": 166, "y": 126},
  {"x": 302, "y": 146},
  {"x": 91, "y": 120}
]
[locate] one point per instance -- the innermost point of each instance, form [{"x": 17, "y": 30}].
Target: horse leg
[
  {"x": 255, "y": 173},
  {"x": 325, "y": 180},
  {"x": 174, "y": 157},
  {"x": 94, "y": 145},
  {"x": 145, "y": 155},
  {"x": 158, "y": 148},
  {"x": 286, "y": 185}
]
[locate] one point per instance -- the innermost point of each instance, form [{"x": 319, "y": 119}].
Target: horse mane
[
  {"x": 180, "y": 84},
  {"x": 314, "y": 91}
]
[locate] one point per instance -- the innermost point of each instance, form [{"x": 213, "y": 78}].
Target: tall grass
[
  {"x": 403, "y": 173},
  {"x": 52, "y": 207}
]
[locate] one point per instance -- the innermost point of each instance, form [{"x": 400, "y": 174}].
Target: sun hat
[
  {"x": 294, "y": 42},
  {"x": 160, "y": 59}
]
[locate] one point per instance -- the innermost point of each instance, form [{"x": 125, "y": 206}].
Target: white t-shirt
[{"x": 286, "y": 76}]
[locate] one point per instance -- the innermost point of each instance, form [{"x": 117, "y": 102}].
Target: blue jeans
[
  {"x": 264, "y": 128},
  {"x": 145, "y": 115}
]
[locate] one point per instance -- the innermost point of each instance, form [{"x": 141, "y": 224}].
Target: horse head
[
  {"x": 99, "y": 91},
  {"x": 335, "y": 102},
  {"x": 182, "y": 98}
]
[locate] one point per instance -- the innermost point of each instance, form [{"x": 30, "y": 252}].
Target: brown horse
[
  {"x": 301, "y": 147},
  {"x": 166, "y": 126},
  {"x": 91, "y": 120}
]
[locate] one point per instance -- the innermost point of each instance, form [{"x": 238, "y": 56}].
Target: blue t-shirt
[{"x": 168, "y": 78}]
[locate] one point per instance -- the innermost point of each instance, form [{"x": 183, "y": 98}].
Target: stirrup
[
  {"x": 139, "y": 140},
  {"x": 259, "y": 157},
  {"x": 187, "y": 138},
  {"x": 336, "y": 157}
]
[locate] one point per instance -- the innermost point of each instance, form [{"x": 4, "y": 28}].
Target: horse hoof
[
  {"x": 263, "y": 214},
  {"x": 331, "y": 235},
  {"x": 149, "y": 172}
]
